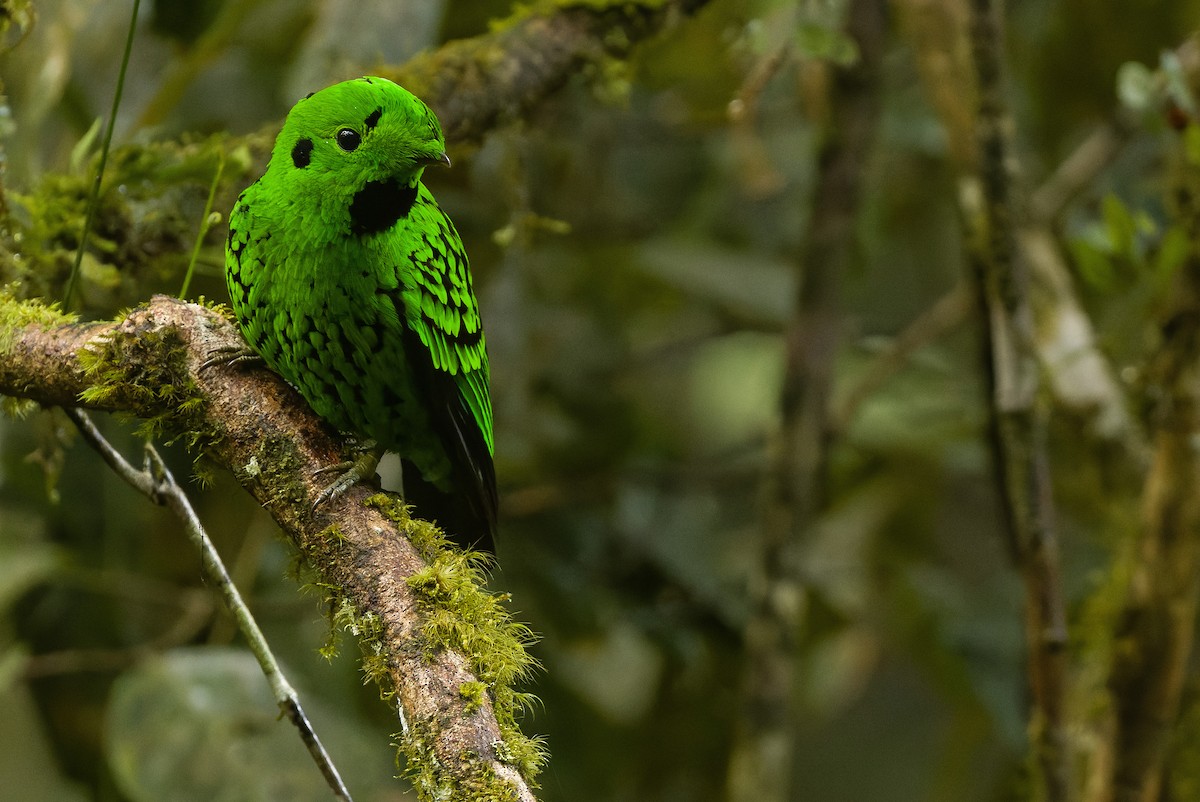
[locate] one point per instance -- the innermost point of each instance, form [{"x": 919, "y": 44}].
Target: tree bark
[{"x": 361, "y": 547}]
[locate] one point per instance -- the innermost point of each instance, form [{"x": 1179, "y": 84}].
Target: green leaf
[
  {"x": 83, "y": 148},
  {"x": 22, "y": 566},
  {"x": 1172, "y": 250},
  {"x": 1093, "y": 264},
  {"x": 817, "y": 41},
  {"x": 1191, "y": 144},
  {"x": 1120, "y": 226}
]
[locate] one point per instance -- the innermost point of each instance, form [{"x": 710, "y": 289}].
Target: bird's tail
[{"x": 464, "y": 522}]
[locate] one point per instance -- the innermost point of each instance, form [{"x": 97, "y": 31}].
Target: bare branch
[{"x": 1018, "y": 425}]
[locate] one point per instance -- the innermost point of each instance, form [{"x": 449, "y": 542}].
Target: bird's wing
[{"x": 444, "y": 344}]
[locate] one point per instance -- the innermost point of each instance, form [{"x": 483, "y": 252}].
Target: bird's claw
[
  {"x": 349, "y": 473},
  {"x": 230, "y": 356}
]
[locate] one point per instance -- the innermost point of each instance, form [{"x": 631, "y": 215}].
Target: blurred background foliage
[{"x": 635, "y": 252}]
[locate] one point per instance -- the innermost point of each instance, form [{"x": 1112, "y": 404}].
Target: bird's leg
[
  {"x": 350, "y": 472},
  {"x": 230, "y": 356}
]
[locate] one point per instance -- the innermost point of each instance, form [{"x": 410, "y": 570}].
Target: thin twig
[
  {"x": 1076, "y": 171},
  {"x": 156, "y": 482},
  {"x": 94, "y": 199},
  {"x": 944, "y": 315},
  {"x": 206, "y": 224}
]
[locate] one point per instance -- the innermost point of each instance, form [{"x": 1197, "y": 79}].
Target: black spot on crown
[
  {"x": 379, "y": 204},
  {"x": 302, "y": 153},
  {"x": 373, "y": 119}
]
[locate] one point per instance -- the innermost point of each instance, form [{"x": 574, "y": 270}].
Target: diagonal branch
[
  {"x": 156, "y": 483},
  {"x": 444, "y": 650},
  {"x": 475, "y": 85}
]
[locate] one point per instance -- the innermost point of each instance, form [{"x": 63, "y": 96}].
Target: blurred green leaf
[
  {"x": 1178, "y": 83},
  {"x": 1137, "y": 87},
  {"x": 1119, "y": 225},
  {"x": 200, "y": 724},
  {"x": 1191, "y": 144},
  {"x": 1173, "y": 250},
  {"x": 739, "y": 282},
  {"x": 29, "y": 763},
  {"x": 617, "y": 672},
  {"x": 1094, "y": 265},
  {"x": 734, "y": 389},
  {"x": 817, "y": 41},
  {"x": 24, "y": 566}
]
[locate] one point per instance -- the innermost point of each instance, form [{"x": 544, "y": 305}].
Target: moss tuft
[
  {"x": 147, "y": 371},
  {"x": 473, "y": 693},
  {"x": 459, "y": 613},
  {"x": 16, "y": 314}
]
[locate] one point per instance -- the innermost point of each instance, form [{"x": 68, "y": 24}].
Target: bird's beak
[{"x": 441, "y": 158}]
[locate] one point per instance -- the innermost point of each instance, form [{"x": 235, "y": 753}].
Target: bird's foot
[
  {"x": 350, "y": 472},
  {"x": 230, "y": 356}
]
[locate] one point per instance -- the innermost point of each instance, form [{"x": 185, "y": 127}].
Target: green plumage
[{"x": 351, "y": 282}]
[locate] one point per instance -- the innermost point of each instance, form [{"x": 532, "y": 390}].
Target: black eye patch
[
  {"x": 302, "y": 152},
  {"x": 348, "y": 139},
  {"x": 373, "y": 119}
]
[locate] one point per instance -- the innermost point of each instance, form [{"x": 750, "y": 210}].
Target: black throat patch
[{"x": 378, "y": 205}]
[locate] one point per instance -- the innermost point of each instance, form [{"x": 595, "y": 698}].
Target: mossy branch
[
  {"x": 1156, "y": 628},
  {"x": 477, "y": 83},
  {"x": 145, "y": 222},
  {"x": 433, "y": 640}
]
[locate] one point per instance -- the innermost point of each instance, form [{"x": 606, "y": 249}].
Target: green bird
[{"x": 350, "y": 281}]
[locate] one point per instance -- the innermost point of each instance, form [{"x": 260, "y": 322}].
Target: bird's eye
[{"x": 348, "y": 139}]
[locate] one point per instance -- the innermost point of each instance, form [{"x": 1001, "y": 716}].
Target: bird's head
[{"x": 365, "y": 141}]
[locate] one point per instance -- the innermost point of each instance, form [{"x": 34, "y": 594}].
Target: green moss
[
  {"x": 367, "y": 628},
  {"x": 480, "y": 784},
  {"x": 144, "y": 224},
  {"x": 459, "y": 613},
  {"x": 16, "y": 315},
  {"x": 473, "y": 693},
  {"x": 146, "y": 373}
]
